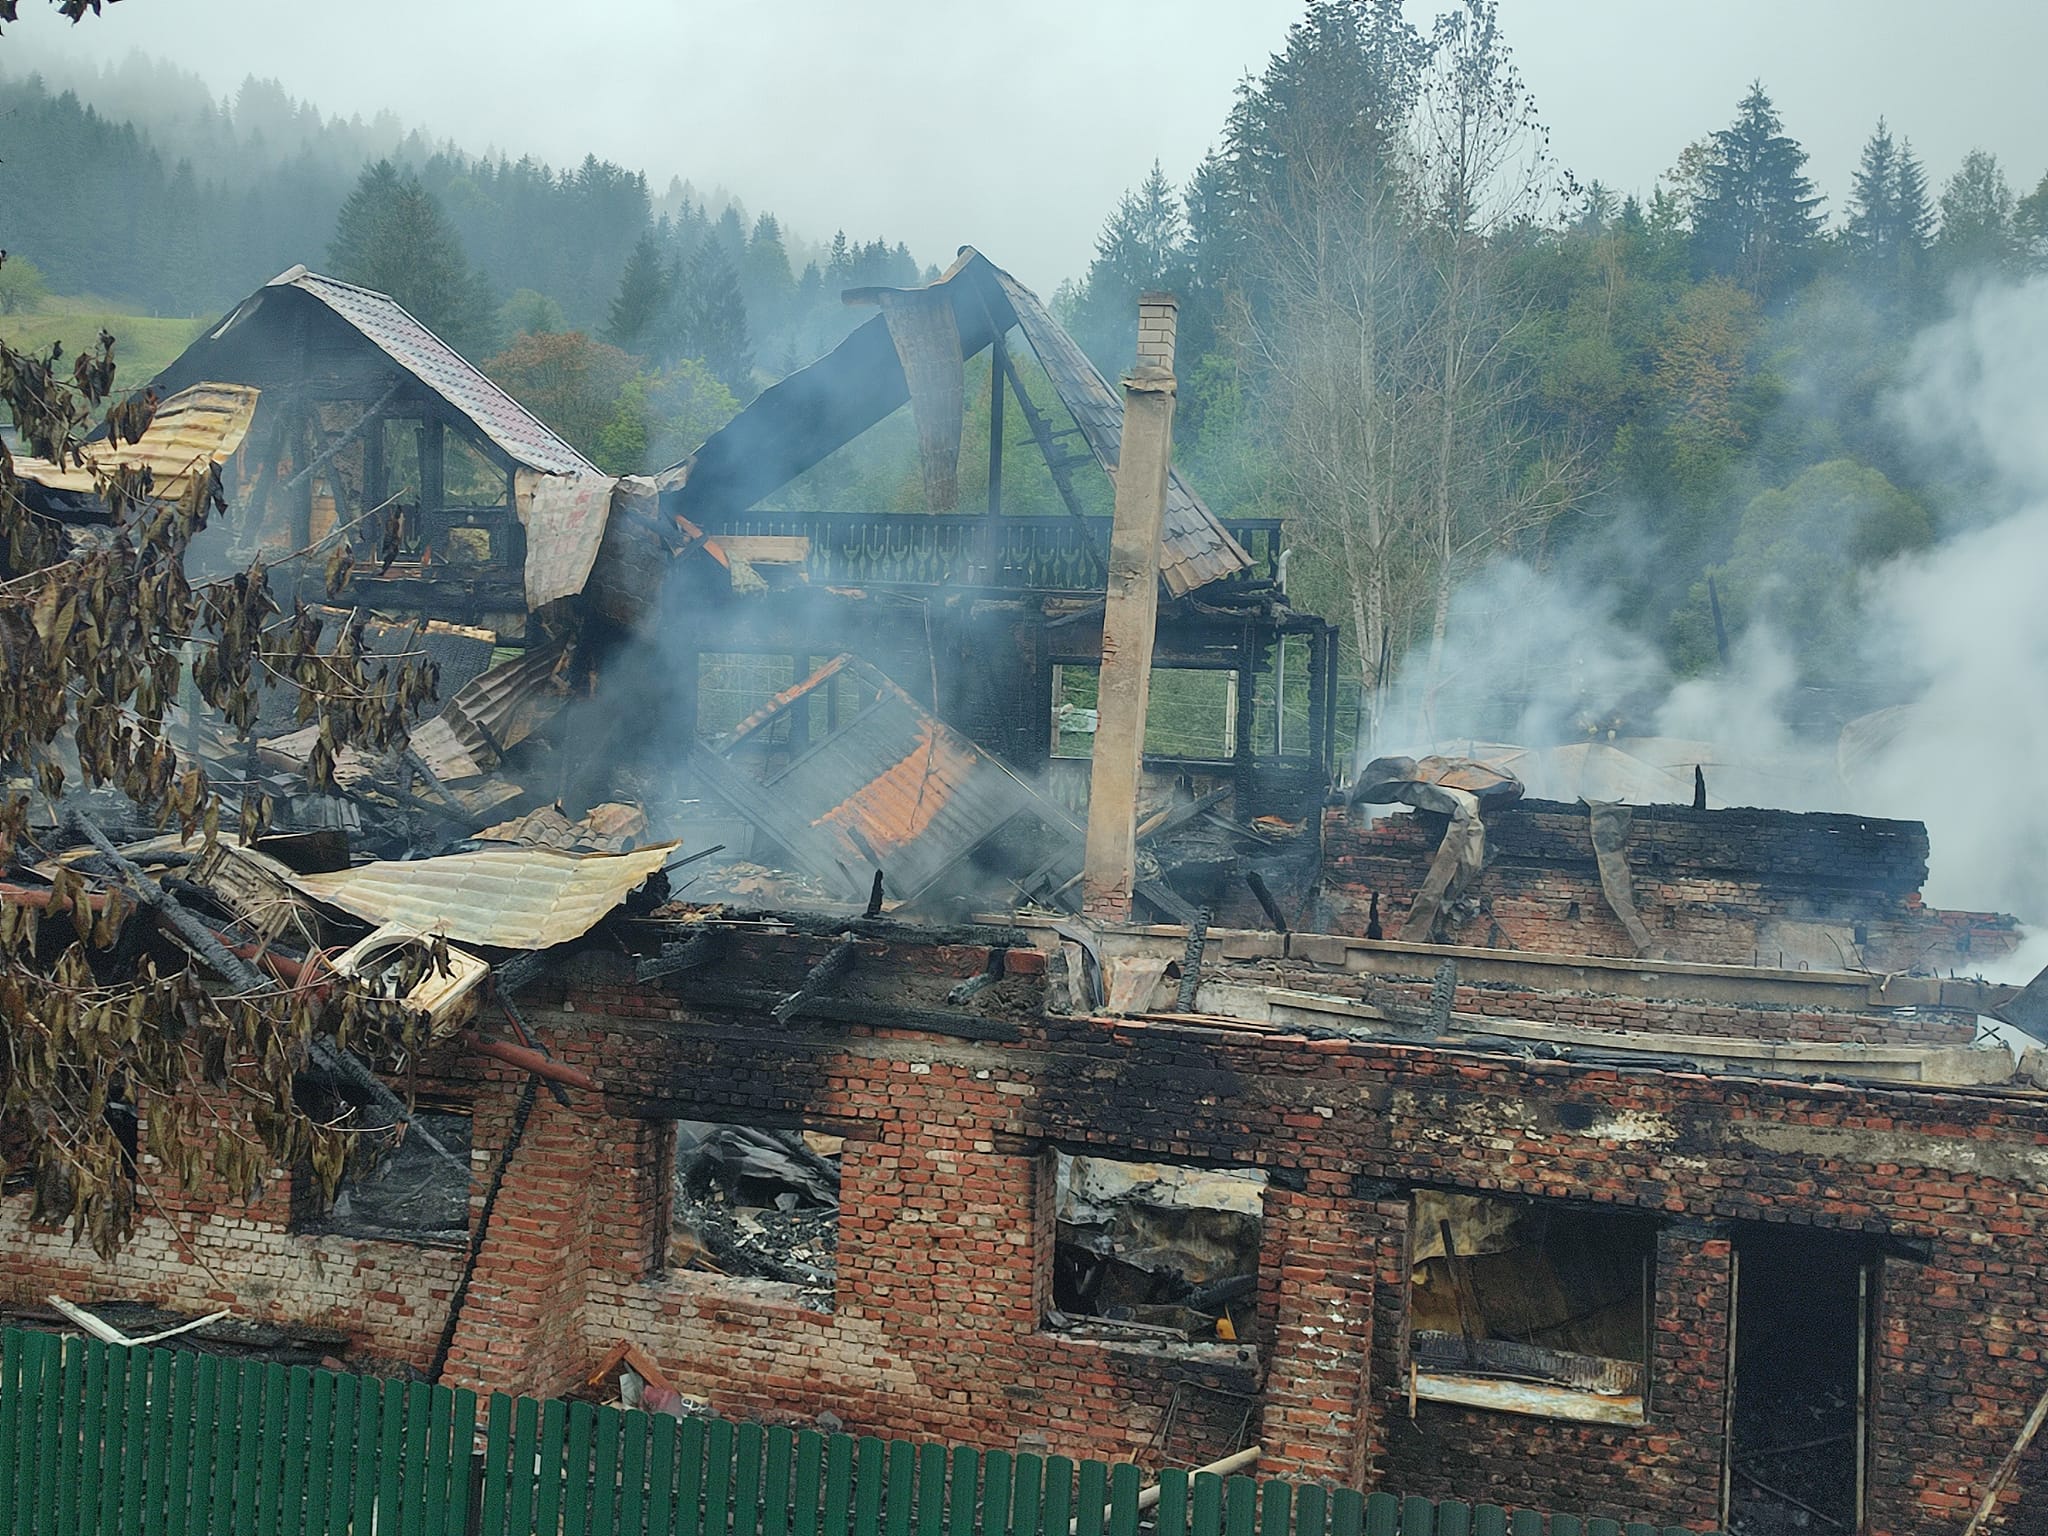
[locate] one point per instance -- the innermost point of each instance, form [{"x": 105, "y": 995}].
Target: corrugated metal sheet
[
  {"x": 505, "y": 898},
  {"x": 893, "y": 785},
  {"x": 385, "y": 322},
  {"x": 199, "y": 426},
  {"x": 1195, "y": 549}
]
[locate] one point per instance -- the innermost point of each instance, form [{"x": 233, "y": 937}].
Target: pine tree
[
  {"x": 1889, "y": 218},
  {"x": 392, "y": 236},
  {"x": 713, "y": 317},
  {"x": 1757, "y": 215},
  {"x": 1143, "y": 245},
  {"x": 643, "y": 298},
  {"x": 1874, "y": 200}
]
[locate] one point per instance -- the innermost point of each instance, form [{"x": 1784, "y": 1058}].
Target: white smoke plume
[{"x": 1955, "y": 637}]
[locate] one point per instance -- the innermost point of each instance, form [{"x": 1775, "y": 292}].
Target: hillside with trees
[{"x": 1408, "y": 330}]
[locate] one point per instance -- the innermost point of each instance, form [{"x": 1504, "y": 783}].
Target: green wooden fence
[{"x": 103, "y": 1440}]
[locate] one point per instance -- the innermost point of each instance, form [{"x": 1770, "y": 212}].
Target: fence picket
[
  {"x": 661, "y": 1476},
  {"x": 809, "y": 1483},
  {"x": 497, "y": 1465},
  {"x": 931, "y": 1490},
  {"x": 1208, "y": 1503},
  {"x": 522, "y": 1477},
  {"x": 364, "y": 1455},
  {"x": 838, "y": 1484},
  {"x": 995, "y": 1492},
  {"x": 389, "y": 1465},
  {"x": 1027, "y": 1495},
  {"x": 1382, "y": 1515},
  {"x": 438, "y": 1469},
  {"x": 1059, "y": 1496},
  {"x": 554, "y": 1434},
  {"x": 746, "y": 1479},
  {"x": 636, "y": 1430},
  {"x": 1453, "y": 1518},
  {"x": 1347, "y": 1512},
  {"x": 12, "y": 1347},
  {"x": 1170, "y": 1515},
  {"x": 267, "y": 1447},
  {"x": 690, "y": 1479},
  {"x": 577, "y": 1480},
  {"x": 215, "y": 1512},
  {"x": 608, "y": 1434},
  {"x": 1091, "y": 1490},
  {"x": 1565, "y": 1525},
  {"x": 149, "y": 1418},
  {"x": 1489, "y": 1520},
  {"x": 778, "y": 1447},
  {"x": 1599, "y": 1526},
  {"x": 288, "y": 1518},
  {"x": 899, "y": 1487},
  {"x": 1525, "y": 1522},
  {"x": 1311, "y": 1501},
  {"x": 62, "y": 1517},
  {"x": 341, "y": 1460},
  {"x": 1123, "y": 1500},
  {"x": 93, "y": 1419},
  {"x": 1240, "y": 1506},
  {"x": 1275, "y": 1508},
  {"x": 718, "y": 1478},
  {"x": 869, "y": 1471}
]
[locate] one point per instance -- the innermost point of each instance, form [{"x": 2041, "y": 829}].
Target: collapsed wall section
[{"x": 1733, "y": 887}]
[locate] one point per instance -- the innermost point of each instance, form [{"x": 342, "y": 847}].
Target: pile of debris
[
  {"x": 757, "y": 1204},
  {"x": 1155, "y": 1251}
]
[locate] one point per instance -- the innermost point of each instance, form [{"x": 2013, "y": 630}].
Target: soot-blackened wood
[
  {"x": 853, "y": 1010},
  {"x": 1267, "y": 904},
  {"x": 1191, "y": 962},
  {"x": 699, "y": 949},
  {"x": 823, "y": 978}
]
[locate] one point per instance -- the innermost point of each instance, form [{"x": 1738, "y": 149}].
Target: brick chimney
[{"x": 1130, "y": 616}]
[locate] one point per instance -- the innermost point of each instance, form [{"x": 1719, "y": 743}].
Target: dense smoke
[{"x": 1952, "y": 643}]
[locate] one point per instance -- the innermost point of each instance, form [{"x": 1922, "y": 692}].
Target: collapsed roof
[{"x": 818, "y": 410}]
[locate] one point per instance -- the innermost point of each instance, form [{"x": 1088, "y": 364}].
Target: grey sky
[{"x": 1015, "y": 128}]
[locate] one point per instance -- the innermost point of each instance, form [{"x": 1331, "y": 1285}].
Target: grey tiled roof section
[
  {"x": 384, "y": 321},
  {"x": 1195, "y": 548}
]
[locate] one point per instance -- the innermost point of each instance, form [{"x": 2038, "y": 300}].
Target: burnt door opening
[{"x": 1801, "y": 1365}]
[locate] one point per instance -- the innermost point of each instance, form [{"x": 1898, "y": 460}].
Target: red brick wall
[
  {"x": 1732, "y": 887},
  {"x": 945, "y": 1239}
]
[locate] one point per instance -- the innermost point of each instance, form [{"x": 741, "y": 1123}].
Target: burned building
[{"x": 1573, "y": 1157}]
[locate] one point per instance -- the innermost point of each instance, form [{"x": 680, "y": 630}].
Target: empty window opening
[
  {"x": 405, "y": 1193},
  {"x": 1529, "y": 1307},
  {"x": 757, "y": 1205},
  {"x": 1190, "y": 713},
  {"x": 1155, "y": 1250},
  {"x": 1802, "y": 1331}
]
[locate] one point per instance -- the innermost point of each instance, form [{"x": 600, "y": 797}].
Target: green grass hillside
[{"x": 143, "y": 344}]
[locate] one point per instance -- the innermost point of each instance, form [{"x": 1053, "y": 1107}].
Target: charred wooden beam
[
  {"x": 1267, "y": 904},
  {"x": 824, "y": 978},
  {"x": 862, "y": 1011},
  {"x": 1191, "y": 962},
  {"x": 700, "y": 948},
  {"x": 874, "y": 899},
  {"x": 973, "y": 986}
]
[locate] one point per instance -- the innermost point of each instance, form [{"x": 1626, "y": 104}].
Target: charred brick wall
[
  {"x": 937, "y": 1328},
  {"x": 198, "y": 1250},
  {"x": 1732, "y": 887}
]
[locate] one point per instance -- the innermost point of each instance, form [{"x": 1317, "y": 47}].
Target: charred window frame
[
  {"x": 754, "y": 1210},
  {"x": 1160, "y": 1253},
  {"x": 1191, "y": 714},
  {"x": 403, "y": 1194},
  {"x": 1535, "y": 1307}
]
